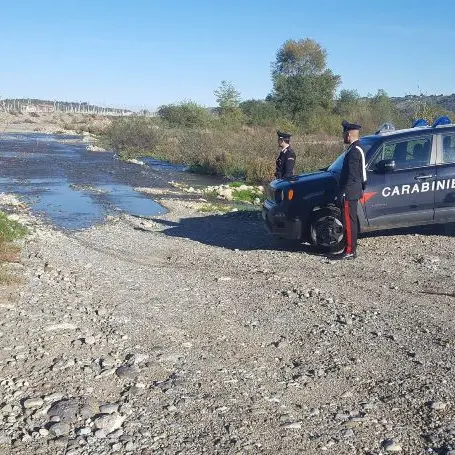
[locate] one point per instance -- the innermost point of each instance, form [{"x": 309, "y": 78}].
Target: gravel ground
[{"x": 200, "y": 333}]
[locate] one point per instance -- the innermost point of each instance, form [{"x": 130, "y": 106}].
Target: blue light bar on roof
[
  {"x": 419, "y": 122},
  {"x": 443, "y": 120}
]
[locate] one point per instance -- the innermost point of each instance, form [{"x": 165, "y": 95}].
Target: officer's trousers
[{"x": 350, "y": 225}]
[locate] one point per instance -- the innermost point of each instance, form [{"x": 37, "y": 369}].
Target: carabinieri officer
[
  {"x": 285, "y": 163},
  {"x": 353, "y": 180}
]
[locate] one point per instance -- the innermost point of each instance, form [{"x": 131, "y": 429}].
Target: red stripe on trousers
[{"x": 347, "y": 223}]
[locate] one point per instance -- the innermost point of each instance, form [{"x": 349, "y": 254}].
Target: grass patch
[
  {"x": 247, "y": 196},
  {"x": 9, "y": 230},
  {"x": 210, "y": 208},
  {"x": 8, "y": 252}
]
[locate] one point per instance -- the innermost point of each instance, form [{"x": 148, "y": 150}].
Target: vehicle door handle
[{"x": 423, "y": 177}]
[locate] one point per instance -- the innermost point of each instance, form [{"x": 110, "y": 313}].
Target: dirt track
[{"x": 209, "y": 336}]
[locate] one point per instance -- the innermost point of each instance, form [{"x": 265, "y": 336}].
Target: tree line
[
  {"x": 237, "y": 138},
  {"x": 303, "y": 98}
]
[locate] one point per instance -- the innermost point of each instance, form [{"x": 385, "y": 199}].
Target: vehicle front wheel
[{"x": 327, "y": 231}]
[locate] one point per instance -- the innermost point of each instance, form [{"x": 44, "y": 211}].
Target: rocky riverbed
[{"x": 193, "y": 333}]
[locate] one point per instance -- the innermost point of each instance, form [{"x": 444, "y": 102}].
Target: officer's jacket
[
  {"x": 353, "y": 176},
  {"x": 285, "y": 164}
]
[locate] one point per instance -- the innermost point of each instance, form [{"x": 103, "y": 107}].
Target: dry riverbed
[{"x": 199, "y": 333}]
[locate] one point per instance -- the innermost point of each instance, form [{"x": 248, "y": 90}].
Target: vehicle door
[
  {"x": 445, "y": 182},
  {"x": 401, "y": 178}
]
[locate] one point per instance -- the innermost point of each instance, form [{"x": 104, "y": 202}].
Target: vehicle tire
[{"x": 327, "y": 230}]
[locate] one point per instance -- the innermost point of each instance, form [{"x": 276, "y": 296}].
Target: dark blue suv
[{"x": 410, "y": 182}]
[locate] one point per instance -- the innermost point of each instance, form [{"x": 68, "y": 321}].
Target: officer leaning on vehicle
[
  {"x": 351, "y": 185},
  {"x": 285, "y": 163}
]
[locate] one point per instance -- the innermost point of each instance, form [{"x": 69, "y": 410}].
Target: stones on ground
[
  {"x": 100, "y": 434},
  {"x": 85, "y": 431},
  {"x": 4, "y": 439},
  {"x": 349, "y": 433},
  {"x": 344, "y": 319},
  {"x": 109, "y": 422},
  {"x": 66, "y": 410},
  {"x": 71, "y": 409},
  {"x": 136, "y": 359},
  {"x": 105, "y": 373},
  {"x": 292, "y": 426},
  {"x": 109, "y": 408},
  {"x": 128, "y": 372},
  {"x": 61, "y": 326},
  {"x": 116, "y": 434},
  {"x": 51, "y": 398},
  {"x": 6, "y": 409},
  {"x": 107, "y": 362},
  {"x": 89, "y": 407},
  {"x": 61, "y": 442},
  {"x": 438, "y": 405},
  {"x": 391, "y": 446},
  {"x": 59, "y": 429},
  {"x": 347, "y": 394},
  {"x": 130, "y": 446},
  {"x": 33, "y": 403},
  {"x": 76, "y": 343},
  {"x": 89, "y": 340}
]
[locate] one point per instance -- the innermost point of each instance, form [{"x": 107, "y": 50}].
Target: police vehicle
[{"x": 410, "y": 182}]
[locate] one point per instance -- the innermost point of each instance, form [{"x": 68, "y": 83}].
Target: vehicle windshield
[{"x": 366, "y": 142}]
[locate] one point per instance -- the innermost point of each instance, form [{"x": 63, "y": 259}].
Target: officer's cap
[
  {"x": 281, "y": 135},
  {"x": 349, "y": 126}
]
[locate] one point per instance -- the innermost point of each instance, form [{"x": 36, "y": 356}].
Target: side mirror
[{"x": 385, "y": 166}]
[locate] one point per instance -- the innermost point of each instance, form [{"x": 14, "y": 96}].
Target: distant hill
[{"x": 408, "y": 103}]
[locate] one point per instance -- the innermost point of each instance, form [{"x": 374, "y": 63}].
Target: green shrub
[
  {"x": 246, "y": 195},
  {"x": 9, "y": 229},
  {"x": 185, "y": 114},
  {"x": 259, "y": 112},
  {"x": 132, "y": 135}
]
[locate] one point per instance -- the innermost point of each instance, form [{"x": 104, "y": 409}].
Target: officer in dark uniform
[
  {"x": 352, "y": 183},
  {"x": 285, "y": 163}
]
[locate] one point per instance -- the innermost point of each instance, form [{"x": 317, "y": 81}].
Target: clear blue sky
[{"x": 144, "y": 53}]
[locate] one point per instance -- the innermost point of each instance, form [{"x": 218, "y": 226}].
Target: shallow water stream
[{"x": 73, "y": 188}]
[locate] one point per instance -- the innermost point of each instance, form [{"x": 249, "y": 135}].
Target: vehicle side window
[
  {"x": 406, "y": 154},
  {"x": 448, "y": 148}
]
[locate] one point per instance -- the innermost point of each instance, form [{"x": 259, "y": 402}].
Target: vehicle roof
[{"x": 416, "y": 130}]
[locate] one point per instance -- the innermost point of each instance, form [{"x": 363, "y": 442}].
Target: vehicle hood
[{"x": 316, "y": 179}]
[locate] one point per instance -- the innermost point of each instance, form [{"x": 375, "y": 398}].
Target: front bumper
[{"x": 278, "y": 224}]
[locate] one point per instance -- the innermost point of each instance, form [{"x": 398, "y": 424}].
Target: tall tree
[
  {"x": 227, "y": 96},
  {"x": 301, "y": 80},
  {"x": 304, "y": 57},
  {"x": 382, "y": 107},
  {"x": 348, "y": 101},
  {"x": 228, "y": 99}
]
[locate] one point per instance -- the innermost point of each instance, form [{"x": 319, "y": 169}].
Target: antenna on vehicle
[
  {"x": 419, "y": 123},
  {"x": 443, "y": 120},
  {"x": 385, "y": 127}
]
